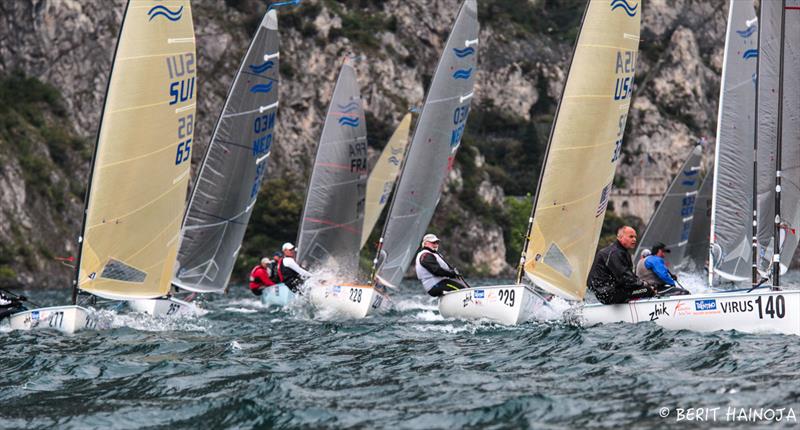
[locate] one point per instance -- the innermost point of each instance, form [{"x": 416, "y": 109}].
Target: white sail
[
  {"x": 672, "y": 221},
  {"x": 585, "y": 145},
  {"x": 383, "y": 176},
  {"x": 732, "y": 195},
  {"x": 140, "y": 170},
  {"x": 234, "y": 165}
]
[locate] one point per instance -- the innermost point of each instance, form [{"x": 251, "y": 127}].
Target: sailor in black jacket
[{"x": 612, "y": 279}]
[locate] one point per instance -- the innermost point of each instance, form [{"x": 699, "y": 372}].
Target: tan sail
[
  {"x": 584, "y": 148},
  {"x": 140, "y": 170},
  {"x": 383, "y": 176}
]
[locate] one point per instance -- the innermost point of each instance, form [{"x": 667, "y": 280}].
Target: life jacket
[
  {"x": 273, "y": 271},
  {"x": 288, "y": 276},
  {"x": 428, "y": 279}
]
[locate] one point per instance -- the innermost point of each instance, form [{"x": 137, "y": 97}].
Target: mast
[
  {"x": 754, "y": 254},
  {"x": 521, "y": 267},
  {"x": 94, "y": 160},
  {"x": 776, "y": 256}
]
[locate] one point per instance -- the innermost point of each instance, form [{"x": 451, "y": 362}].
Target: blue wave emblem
[
  {"x": 261, "y": 68},
  {"x": 689, "y": 183},
  {"x": 463, "y": 53},
  {"x": 463, "y": 73},
  {"x": 746, "y": 33},
  {"x": 349, "y": 121},
  {"x": 348, "y": 108},
  {"x": 750, "y": 53},
  {"x": 690, "y": 172},
  {"x": 261, "y": 88},
  {"x": 160, "y": 10},
  {"x": 625, "y": 6},
  {"x": 394, "y": 160}
]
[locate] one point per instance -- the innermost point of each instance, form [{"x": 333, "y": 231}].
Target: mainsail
[
  {"x": 433, "y": 147},
  {"x": 672, "y": 221},
  {"x": 768, "y": 102},
  {"x": 383, "y": 176},
  {"x": 234, "y": 164},
  {"x": 584, "y": 148},
  {"x": 333, "y": 215},
  {"x": 768, "y": 70},
  {"x": 697, "y": 250},
  {"x": 140, "y": 170},
  {"x": 731, "y": 207}
]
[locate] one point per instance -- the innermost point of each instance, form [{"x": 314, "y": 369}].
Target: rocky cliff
[{"x": 55, "y": 57}]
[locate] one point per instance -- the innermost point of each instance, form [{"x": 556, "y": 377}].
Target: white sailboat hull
[
  {"x": 163, "y": 307},
  {"x": 66, "y": 319},
  {"x": 506, "y": 304},
  {"x": 277, "y": 295},
  {"x": 749, "y": 312},
  {"x": 354, "y": 301}
]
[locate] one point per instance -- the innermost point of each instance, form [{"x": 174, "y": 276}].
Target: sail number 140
[{"x": 774, "y": 307}]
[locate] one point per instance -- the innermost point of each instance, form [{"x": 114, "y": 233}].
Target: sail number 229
[{"x": 185, "y": 132}]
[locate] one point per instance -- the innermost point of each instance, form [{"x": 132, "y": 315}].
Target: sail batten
[
  {"x": 140, "y": 168},
  {"x": 586, "y": 141},
  {"x": 433, "y": 147},
  {"x": 233, "y": 167}
]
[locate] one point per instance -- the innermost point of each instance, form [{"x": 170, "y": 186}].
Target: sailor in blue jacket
[{"x": 655, "y": 272}]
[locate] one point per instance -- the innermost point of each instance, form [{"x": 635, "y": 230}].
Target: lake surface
[{"x": 244, "y": 366}]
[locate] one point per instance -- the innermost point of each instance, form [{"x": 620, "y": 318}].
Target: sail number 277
[{"x": 185, "y": 132}]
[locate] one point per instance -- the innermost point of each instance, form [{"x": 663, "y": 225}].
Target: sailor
[
  {"x": 612, "y": 279},
  {"x": 640, "y": 269},
  {"x": 289, "y": 272},
  {"x": 436, "y": 275},
  {"x": 259, "y": 277},
  {"x": 10, "y": 304},
  {"x": 656, "y": 273}
]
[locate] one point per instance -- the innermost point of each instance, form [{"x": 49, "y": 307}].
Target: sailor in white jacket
[{"x": 436, "y": 274}]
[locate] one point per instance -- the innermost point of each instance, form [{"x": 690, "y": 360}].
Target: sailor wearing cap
[
  {"x": 289, "y": 272},
  {"x": 436, "y": 275},
  {"x": 655, "y": 268}
]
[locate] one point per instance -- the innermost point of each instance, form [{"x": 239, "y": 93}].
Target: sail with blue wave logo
[
  {"x": 584, "y": 148},
  {"x": 672, "y": 221},
  {"x": 731, "y": 213},
  {"x": 433, "y": 147},
  {"x": 769, "y": 99},
  {"x": 140, "y": 169},
  {"x": 233, "y": 167},
  {"x": 383, "y": 176},
  {"x": 333, "y": 214}
]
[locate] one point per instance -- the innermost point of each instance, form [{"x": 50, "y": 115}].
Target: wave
[
  {"x": 463, "y": 73},
  {"x": 625, "y": 6},
  {"x": 261, "y": 68},
  {"x": 160, "y": 10},
  {"x": 349, "y": 121},
  {"x": 750, "y": 53},
  {"x": 348, "y": 108},
  {"x": 746, "y": 33},
  {"x": 463, "y": 53},
  {"x": 261, "y": 88}
]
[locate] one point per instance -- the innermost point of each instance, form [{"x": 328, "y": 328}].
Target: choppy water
[{"x": 244, "y": 366}]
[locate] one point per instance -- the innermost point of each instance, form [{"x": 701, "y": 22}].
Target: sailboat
[
  {"x": 576, "y": 178},
  {"x": 432, "y": 150},
  {"x": 140, "y": 169},
  {"x": 329, "y": 239},
  {"x": 671, "y": 223},
  {"x": 755, "y": 309},
  {"x": 229, "y": 177}
]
